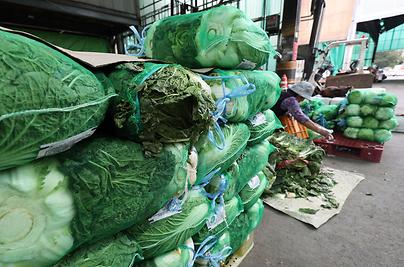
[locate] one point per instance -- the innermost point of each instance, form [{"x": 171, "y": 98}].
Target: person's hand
[{"x": 327, "y": 134}]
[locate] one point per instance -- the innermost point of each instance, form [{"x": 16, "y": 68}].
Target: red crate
[{"x": 352, "y": 148}]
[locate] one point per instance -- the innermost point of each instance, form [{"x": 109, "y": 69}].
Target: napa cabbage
[
  {"x": 352, "y": 110},
  {"x": 98, "y": 188},
  {"x": 253, "y": 190},
  {"x": 262, "y": 125},
  {"x": 389, "y": 124},
  {"x": 370, "y": 122},
  {"x": 48, "y": 102},
  {"x": 211, "y": 158},
  {"x": 356, "y": 97},
  {"x": 230, "y": 175},
  {"x": 367, "y": 110},
  {"x": 218, "y": 37},
  {"x": 351, "y": 132},
  {"x": 382, "y": 135},
  {"x": 384, "y": 113},
  {"x": 366, "y": 134},
  {"x": 354, "y": 121}
]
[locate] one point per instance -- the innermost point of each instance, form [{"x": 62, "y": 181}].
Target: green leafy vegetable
[
  {"x": 384, "y": 113},
  {"x": 255, "y": 214},
  {"x": 253, "y": 190},
  {"x": 231, "y": 177},
  {"x": 351, "y": 132},
  {"x": 232, "y": 209},
  {"x": 241, "y": 108},
  {"x": 218, "y": 37},
  {"x": 210, "y": 157},
  {"x": 262, "y": 125},
  {"x": 352, "y": 110},
  {"x": 90, "y": 192},
  {"x": 308, "y": 210},
  {"x": 167, "y": 234},
  {"x": 354, "y": 121},
  {"x": 389, "y": 124},
  {"x": 45, "y": 97},
  {"x": 367, "y": 110},
  {"x": 370, "y": 122},
  {"x": 382, "y": 135},
  {"x": 356, "y": 97},
  {"x": 366, "y": 134},
  {"x": 252, "y": 161},
  {"x": 160, "y": 103}
]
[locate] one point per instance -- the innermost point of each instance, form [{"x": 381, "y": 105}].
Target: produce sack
[
  {"x": 159, "y": 103},
  {"x": 366, "y": 134},
  {"x": 98, "y": 188},
  {"x": 252, "y": 161},
  {"x": 255, "y": 214},
  {"x": 159, "y": 237},
  {"x": 382, "y": 135},
  {"x": 383, "y": 99},
  {"x": 242, "y": 101},
  {"x": 253, "y": 190},
  {"x": 352, "y": 110},
  {"x": 370, "y": 122},
  {"x": 367, "y": 110},
  {"x": 351, "y": 132},
  {"x": 309, "y": 106},
  {"x": 356, "y": 96},
  {"x": 384, "y": 113},
  {"x": 219, "y": 37},
  {"x": 354, "y": 121},
  {"x": 232, "y": 209},
  {"x": 389, "y": 124},
  {"x": 211, "y": 158},
  {"x": 327, "y": 112},
  {"x": 180, "y": 257},
  {"x": 262, "y": 125},
  {"x": 239, "y": 230},
  {"x": 230, "y": 176},
  {"x": 48, "y": 102}
]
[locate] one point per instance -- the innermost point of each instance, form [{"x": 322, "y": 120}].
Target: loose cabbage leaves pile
[
  {"x": 90, "y": 192},
  {"x": 45, "y": 97},
  {"x": 159, "y": 103},
  {"x": 298, "y": 169},
  {"x": 219, "y": 37}
]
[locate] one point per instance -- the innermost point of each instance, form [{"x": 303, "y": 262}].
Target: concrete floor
[{"x": 369, "y": 231}]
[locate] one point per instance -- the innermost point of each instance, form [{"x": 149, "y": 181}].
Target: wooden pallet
[
  {"x": 352, "y": 148},
  {"x": 236, "y": 259}
]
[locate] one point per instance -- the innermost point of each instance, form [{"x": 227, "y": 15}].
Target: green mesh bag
[
  {"x": 352, "y": 110},
  {"x": 240, "y": 108},
  {"x": 232, "y": 209},
  {"x": 383, "y": 113},
  {"x": 262, "y": 125},
  {"x": 252, "y": 161},
  {"x": 389, "y": 124},
  {"x": 255, "y": 214},
  {"x": 382, "y": 135},
  {"x": 253, "y": 190},
  {"x": 180, "y": 257},
  {"x": 159, "y": 103},
  {"x": 210, "y": 158},
  {"x": 356, "y": 96},
  {"x": 351, "y": 132},
  {"x": 383, "y": 99},
  {"x": 354, "y": 121},
  {"x": 370, "y": 122},
  {"x": 231, "y": 178},
  {"x": 239, "y": 231},
  {"x": 219, "y": 37},
  {"x": 366, "y": 134},
  {"x": 167, "y": 234},
  {"x": 328, "y": 112},
  {"x": 367, "y": 110},
  {"x": 48, "y": 102},
  {"x": 90, "y": 192}
]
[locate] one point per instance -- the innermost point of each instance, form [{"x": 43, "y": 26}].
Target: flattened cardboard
[{"x": 92, "y": 59}]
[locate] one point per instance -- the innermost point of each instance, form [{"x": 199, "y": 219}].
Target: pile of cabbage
[
  {"x": 219, "y": 37},
  {"x": 137, "y": 164},
  {"x": 317, "y": 111},
  {"x": 369, "y": 115}
]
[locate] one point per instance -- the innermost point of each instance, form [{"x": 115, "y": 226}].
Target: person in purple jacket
[{"x": 289, "y": 103}]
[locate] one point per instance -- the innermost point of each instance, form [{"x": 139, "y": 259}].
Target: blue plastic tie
[
  {"x": 203, "y": 252},
  {"x": 205, "y": 180},
  {"x": 140, "y": 39},
  {"x": 342, "y": 105},
  {"x": 218, "y": 114}
]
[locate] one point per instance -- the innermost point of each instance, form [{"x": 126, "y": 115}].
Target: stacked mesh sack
[
  {"x": 317, "y": 111},
  {"x": 72, "y": 197},
  {"x": 136, "y": 193},
  {"x": 369, "y": 115}
]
